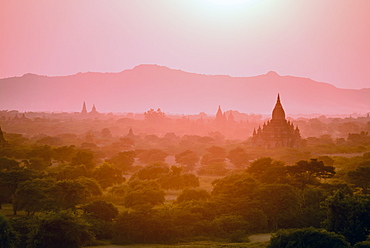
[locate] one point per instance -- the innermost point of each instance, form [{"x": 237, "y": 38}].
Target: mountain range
[{"x": 175, "y": 91}]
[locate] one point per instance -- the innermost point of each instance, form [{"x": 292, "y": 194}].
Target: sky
[{"x": 325, "y": 40}]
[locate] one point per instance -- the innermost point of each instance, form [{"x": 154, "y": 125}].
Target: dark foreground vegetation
[{"x": 135, "y": 190}]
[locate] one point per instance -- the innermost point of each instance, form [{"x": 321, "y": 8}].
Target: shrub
[
  {"x": 101, "y": 210},
  {"x": 363, "y": 244},
  {"x": 307, "y": 238},
  {"x": 8, "y": 237},
  {"x": 60, "y": 230}
]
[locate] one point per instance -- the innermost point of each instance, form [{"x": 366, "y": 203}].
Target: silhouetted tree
[
  {"x": 60, "y": 230},
  {"x": 91, "y": 185},
  {"x": 8, "y": 237},
  {"x": 143, "y": 194},
  {"x": 187, "y": 158},
  {"x": 123, "y": 160},
  {"x": 215, "y": 154},
  {"x": 304, "y": 172},
  {"x": 348, "y": 215},
  {"x": 267, "y": 170},
  {"x": 9, "y": 181},
  {"x": 307, "y": 238},
  {"x": 152, "y": 156},
  {"x": 175, "y": 179},
  {"x": 360, "y": 178},
  {"x": 101, "y": 210},
  {"x": 35, "y": 196},
  {"x": 278, "y": 201},
  {"x": 64, "y": 153},
  {"x": 238, "y": 157},
  {"x": 69, "y": 193},
  {"x": 83, "y": 158},
  {"x": 108, "y": 175},
  {"x": 152, "y": 172},
  {"x": 105, "y": 133},
  {"x": 8, "y": 163},
  {"x": 155, "y": 116},
  {"x": 193, "y": 195}
]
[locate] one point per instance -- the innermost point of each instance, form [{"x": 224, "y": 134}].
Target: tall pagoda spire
[
  {"x": 93, "y": 110},
  {"x": 278, "y": 113},
  {"x": 84, "y": 110},
  {"x": 220, "y": 117}
]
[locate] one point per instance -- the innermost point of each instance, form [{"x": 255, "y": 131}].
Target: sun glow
[{"x": 227, "y": 2}]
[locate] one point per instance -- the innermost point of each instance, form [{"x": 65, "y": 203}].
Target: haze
[{"x": 327, "y": 41}]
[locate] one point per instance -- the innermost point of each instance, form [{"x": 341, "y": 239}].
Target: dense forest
[{"x": 69, "y": 181}]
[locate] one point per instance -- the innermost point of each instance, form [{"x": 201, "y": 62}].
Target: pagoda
[{"x": 277, "y": 132}]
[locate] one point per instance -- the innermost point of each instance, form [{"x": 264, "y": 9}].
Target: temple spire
[
  {"x": 84, "y": 110},
  {"x": 220, "y": 117},
  {"x": 93, "y": 110},
  {"x": 278, "y": 103},
  {"x": 278, "y": 113}
]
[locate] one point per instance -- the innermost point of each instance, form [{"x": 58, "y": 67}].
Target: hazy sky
[{"x": 325, "y": 40}]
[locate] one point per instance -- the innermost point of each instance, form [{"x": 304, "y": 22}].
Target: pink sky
[{"x": 325, "y": 40}]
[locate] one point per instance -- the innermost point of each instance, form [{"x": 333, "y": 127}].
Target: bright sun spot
[{"x": 227, "y": 2}]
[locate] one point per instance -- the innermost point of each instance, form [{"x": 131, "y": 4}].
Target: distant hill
[{"x": 175, "y": 91}]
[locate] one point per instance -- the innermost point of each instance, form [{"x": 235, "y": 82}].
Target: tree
[
  {"x": 83, "y": 158},
  {"x": 307, "y": 238},
  {"x": 267, "y": 170},
  {"x": 363, "y": 244},
  {"x": 155, "y": 116},
  {"x": 238, "y": 157},
  {"x": 304, "y": 172},
  {"x": 8, "y": 237},
  {"x": 72, "y": 172},
  {"x": 233, "y": 227},
  {"x": 101, "y": 210},
  {"x": 152, "y": 172},
  {"x": 278, "y": 201},
  {"x": 9, "y": 181},
  {"x": 360, "y": 178},
  {"x": 105, "y": 133},
  {"x": 187, "y": 158},
  {"x": 43, "y": 152},
  {"x": 175, "y": 179},
  {"x": 153, "y": 226},
  {"x": 234, "y": 193},
  {"x": 326, "y": 159},
  {"x": 7, "y": 163},
  {"x": 152, "y": 156},
  {"x": 91, "y": 185},
  {"x": 38, "y": 164},
  {"x": 213, "y": 169},
  {"x": 348, "y": 215},
  {"x": 69, "y": 193},
  {"x": 48, "y": 140},
  {"x": 35, "y": 196},
  {"x": 60, "y": 230},
  {"x": 123, "y": 160},
  {"x": 64, "y": 153},
  {"x": 142, "y": 194},
  {"x": 193, "y": 195},
  {"x": 107, "y": 175},
  {"x": 215, "y": 154}
]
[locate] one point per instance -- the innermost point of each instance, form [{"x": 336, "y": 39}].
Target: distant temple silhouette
[
  {"x": 84, "y": 110},
  {"x": 221, "y": 118},
  {"x": 93, "y": 111},
  {"x": 278, "y": 132}
]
